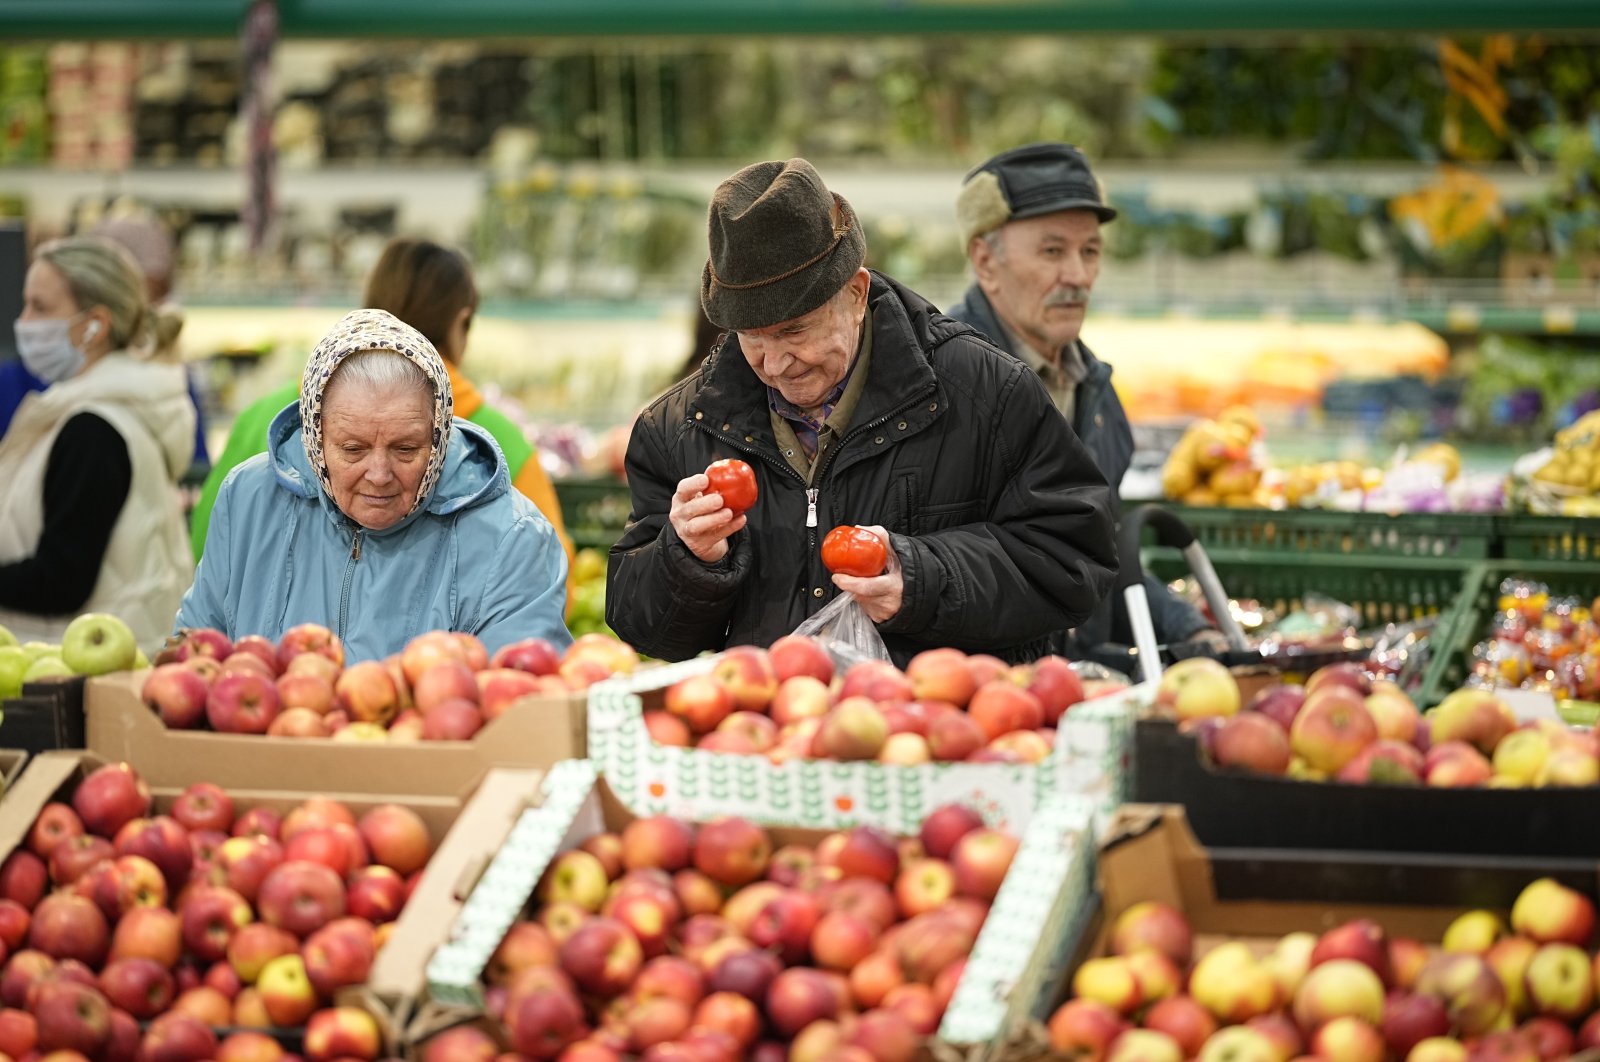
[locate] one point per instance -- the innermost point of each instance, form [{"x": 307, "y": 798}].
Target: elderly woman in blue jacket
[{"x": 377, "y": 514}]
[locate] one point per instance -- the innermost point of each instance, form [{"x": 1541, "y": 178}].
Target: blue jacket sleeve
[
  {"x": 526, "y": 592},
  {"x": 205, "y": 604}
]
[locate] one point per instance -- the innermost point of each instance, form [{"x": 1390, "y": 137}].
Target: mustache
[{"x": 1067, "y": 296}]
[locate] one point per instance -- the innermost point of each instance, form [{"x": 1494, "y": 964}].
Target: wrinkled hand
[
  {"x": 879, "y": 596},
  {"x": 702, "y": 522}
]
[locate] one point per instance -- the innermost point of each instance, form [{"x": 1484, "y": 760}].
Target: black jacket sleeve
[
  {"x": 660, "y": 598},
  {"x": 86, "y": 482},
  {"x": 1040, "y": 561}
]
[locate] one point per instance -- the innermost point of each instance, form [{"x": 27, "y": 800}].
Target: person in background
[
  {"x": 377, "y": 513},
  {"x": 150, "y": 244},
  {"x": 430, "y": 288},
  {"x": 1030, "y": 218},
  {"x": 90, "y": 466},
  {"x": 856, "y": 402}
]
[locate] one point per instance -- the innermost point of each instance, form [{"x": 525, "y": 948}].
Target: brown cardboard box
[
  {"x": 463, "y": 825},
  {"x": 540, "y": 732},
  {"x": 12, "y": 762}
]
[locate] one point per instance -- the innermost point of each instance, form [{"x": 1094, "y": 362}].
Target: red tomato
[
  {"x": 851, "y": 550},
  {"x": 735, "y": 481}
]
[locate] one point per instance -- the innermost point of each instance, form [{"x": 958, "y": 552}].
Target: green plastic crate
[
  {"x": 1381, "y": 589},
  {"x": 1480, "y": 595},
  {"x": 595, "y": 510},
  {"x": 1457, "y": 536},
  {"x": 1550, "y": 538}
]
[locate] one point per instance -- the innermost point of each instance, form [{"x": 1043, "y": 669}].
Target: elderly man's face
[
  {"x": 1038, "y": 278},
  {"x": 807, "y": 357},
  {"x": 376, "y": 444}
]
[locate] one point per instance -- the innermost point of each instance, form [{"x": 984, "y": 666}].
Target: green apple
[
  {"x": 140, "y": 661},
  {"x": 37, "y": 649},
  {"x": 7, "y": 638},
  {"x": 98, "y": 643},
  {"x": 46, "y": 667},
  {"x": 13, "y": 662}
]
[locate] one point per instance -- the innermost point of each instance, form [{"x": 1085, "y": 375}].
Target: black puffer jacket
[
  {"x": 1102, "y": 426},
  {"x": 1001, "y": 522}
]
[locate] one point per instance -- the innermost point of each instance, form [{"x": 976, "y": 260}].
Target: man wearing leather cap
[
  {"x": 856, "y": 402},
  {"x": 1030, "y": 219}
]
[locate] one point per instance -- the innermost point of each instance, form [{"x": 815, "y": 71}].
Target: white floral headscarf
[{"x": 363, "y": 330}]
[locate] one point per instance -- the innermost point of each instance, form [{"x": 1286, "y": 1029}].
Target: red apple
[
  {"x": 453, "y": 720},
  {"x": 163, "y": 842},
  {"x": 602, "y": 956},
  {"x": 211, "y": 915},
  {"x": 376, "y": 894},
  {"x": 65, "y": 926},
  {"x": 204, "y": 806},
  {"x": 71, "y": 1017},
  {"x": 259, "y": 822},
  {"x": 747, "y": 973},
  {"x": 142, "y": 987},
  {"x": 242, "y": 704},
  {"x": 796, "y": 654},
  {"x": 542, "y": 1024},
  {"x": 1252, "y": 741},
  {"x": 301, "y": 897},
  {"x": 177, "y": 694},
  {"x": 658, "y": 841},
  {"x": 109, "y": 798},
  {"x": 981, "y": 860},
  {"x": 785, "y": 925},
  {"x": 337, "y": 955},
  {"x": 343, "y": 1033},
  {"x": 748, "y": 675},
  {"x": 73, "y": 857},
  {"x": 284, "y": 991},
  {"x": 252, "y": 946},
  {"x": 954, "y": 736},
  {"x": 800, "y": 996},
  {"x": 732, "y": 851},
  {"x": 499, "y": 690},
  {"x": 313, "y": 693},
  {"x": 536, "y": 656},
  {"x": 23, "y": 878},
  {"x": 309, "y": 638},
  {"x": 243, "y": 863}
]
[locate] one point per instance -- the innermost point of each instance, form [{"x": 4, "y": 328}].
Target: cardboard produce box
[
  {"x": 1019, "y": 955},
  {"x": 1093, "y": 743},
  {"x": 463, "y": 827},
  {"x": 539, "y": 732},
  {"x": 1229, "y": 808}
]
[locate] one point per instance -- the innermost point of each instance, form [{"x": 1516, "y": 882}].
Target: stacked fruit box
[
  {"x": 230, "y": 921},
  {"x": 597, "y": 933},
  {"x": 760, "y": 733},
  {"x": 1350, "y": 957}
]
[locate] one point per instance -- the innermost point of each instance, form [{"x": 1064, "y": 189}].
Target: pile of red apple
[
  {"x": 1354, "y": 994},
  {"x": 443, "y": 686},
  {"x": 195, "y": 920},
  {"x": 786, "y": 703},
  {"x": 1344, "y": 725},
  {"x": 677, "y": 943}
]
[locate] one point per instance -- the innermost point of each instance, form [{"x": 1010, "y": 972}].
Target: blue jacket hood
[{"x": 474, "y": 470}]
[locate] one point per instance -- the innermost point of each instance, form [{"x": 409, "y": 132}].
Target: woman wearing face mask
[
  {"x": 89, "y": 467},
  {"x": 378, "y": 514}
]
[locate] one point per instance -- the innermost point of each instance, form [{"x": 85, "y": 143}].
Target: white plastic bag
[{"x": 846, "y": 632}]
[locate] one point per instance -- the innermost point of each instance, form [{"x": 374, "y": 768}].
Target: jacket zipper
[{"x": 349, "y": 577}]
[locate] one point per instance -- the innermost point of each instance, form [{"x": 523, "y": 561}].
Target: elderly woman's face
[{"x": 376, "y": 444}]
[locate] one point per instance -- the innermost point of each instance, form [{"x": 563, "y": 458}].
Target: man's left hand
[{"x": 880, "y": 595}]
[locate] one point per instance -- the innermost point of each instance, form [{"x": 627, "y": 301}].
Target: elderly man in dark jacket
[
  {"x": 1030, "y": 218},
  {"x": 856, "y": 402}
]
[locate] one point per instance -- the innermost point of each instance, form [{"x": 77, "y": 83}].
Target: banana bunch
[
  {"x": 1575, "y": 462},
  {"x": 1215, "y": 463}
]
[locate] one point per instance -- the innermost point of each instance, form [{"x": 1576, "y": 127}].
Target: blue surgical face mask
[{"x": 47, "y": 349}]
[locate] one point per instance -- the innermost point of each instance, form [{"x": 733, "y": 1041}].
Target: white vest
[{"x": 148, "y": 564}]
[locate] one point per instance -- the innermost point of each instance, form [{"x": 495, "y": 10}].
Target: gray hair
[{"x": 380, "y": 371}]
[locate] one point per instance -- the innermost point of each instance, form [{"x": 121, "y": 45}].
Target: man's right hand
[{"x": 702, "y": 522}]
